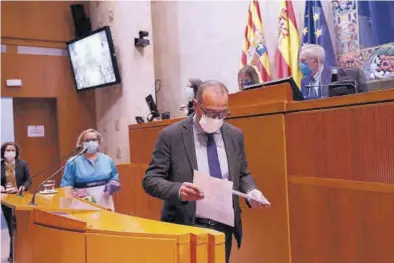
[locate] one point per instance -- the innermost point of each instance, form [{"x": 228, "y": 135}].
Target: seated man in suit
[
  {"x": 315, "y": 73},
  {"x": 203, "y": 142}
]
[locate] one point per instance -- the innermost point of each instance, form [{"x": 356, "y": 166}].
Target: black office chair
[
  {"x": 350, "y": 81},
  {"x": 354, "y": 74}
]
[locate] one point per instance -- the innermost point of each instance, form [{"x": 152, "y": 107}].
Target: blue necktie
[{"x": 213, "y": 159}]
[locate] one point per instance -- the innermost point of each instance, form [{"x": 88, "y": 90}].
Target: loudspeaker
[{"x": 81, "y": 22}]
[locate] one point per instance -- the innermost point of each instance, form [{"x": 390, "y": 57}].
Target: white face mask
[
  {"x": 9, "y": 155},
  {"x": 210, "y": 125},
  {"x": 190, "y": 93},
  {"x": 91, "y": 146}
]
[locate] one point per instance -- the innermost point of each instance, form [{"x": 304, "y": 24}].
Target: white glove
[{"x": 257, "y": 199}]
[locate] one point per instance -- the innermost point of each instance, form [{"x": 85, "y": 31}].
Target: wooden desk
[
  {"x": 327, "y": 166},
  {"x": 63, "y": 229}
]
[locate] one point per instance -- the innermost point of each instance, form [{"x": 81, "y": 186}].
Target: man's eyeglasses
[{"x": 213, "y": 114}]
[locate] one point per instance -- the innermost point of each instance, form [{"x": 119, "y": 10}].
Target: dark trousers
[
  {"x": 227, "y": 230},
  {"x": 7, "y": 212}
]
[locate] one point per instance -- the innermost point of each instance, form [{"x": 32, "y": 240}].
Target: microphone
[
  {"x": 20, "y": 193},
  {"x": 33, "y": 199},
  {"x": 334, "y": 75}
]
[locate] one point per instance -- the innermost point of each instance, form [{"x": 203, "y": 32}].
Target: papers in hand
[
  {"x": 263, "y": 200},
  {"x": 218, "y": 198}
]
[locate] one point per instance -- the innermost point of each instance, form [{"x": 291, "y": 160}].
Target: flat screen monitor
[
  {"x": 297, "y": 95},
  {"x": 93, "y": 60}
]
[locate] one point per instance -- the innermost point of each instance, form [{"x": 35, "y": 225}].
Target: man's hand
[
  {"x": 21, "y": 189},
  {"x": 2, "y": 189},
  {"x": 257, "y": 199},
  {"x": 190, "y": 192}
]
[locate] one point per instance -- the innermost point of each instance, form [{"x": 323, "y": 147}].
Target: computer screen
[{"x": 93, "y": 60}]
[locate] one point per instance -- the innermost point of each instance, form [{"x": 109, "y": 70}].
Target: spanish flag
[
  {"x": 286, "y": 57},
  {"x": 254, "y": 51}
]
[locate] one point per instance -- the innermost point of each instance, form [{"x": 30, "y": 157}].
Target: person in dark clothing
[
  {"x": 14, "y": 177},
  {"x": 191, "y": 92}
]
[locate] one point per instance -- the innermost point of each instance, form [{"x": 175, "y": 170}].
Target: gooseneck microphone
[
  {"x": 33, "y": 199},
  {"x": 20, "y": 193}
]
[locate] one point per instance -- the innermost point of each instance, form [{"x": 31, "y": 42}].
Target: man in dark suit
[
  {"x": 315, "y": 73},
  {"x": 202, "y": 142}
]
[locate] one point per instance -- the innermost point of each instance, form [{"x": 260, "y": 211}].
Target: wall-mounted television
[{"x": 93, "y": 60}]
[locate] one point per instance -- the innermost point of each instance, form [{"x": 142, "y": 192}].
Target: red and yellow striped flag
[
  {"x": 286, "y": 57},
  {"x": 254, "y": 51}
]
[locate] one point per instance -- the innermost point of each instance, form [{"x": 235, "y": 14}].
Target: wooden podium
[
  {"x": 67, "y": 230},
  {"x": 326, "y": 165}
]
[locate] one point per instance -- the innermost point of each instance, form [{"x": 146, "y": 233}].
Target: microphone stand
[
  {"x": 33, "y": 199},
  {"x": 20, "y": 192}
]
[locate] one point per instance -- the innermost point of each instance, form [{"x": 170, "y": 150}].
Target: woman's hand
[
  {"x": 112, "y": 187},
  {"x": 79, "y": 193}
]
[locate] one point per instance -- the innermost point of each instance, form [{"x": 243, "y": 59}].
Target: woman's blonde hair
[{"x": 82, "y": 135}]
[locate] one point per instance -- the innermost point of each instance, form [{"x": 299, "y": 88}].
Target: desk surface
[
  {"x": 106, "y": 222},
  {"x": 48, "y": 202}
]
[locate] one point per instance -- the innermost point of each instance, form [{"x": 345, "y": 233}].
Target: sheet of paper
[
  {"x": 101, "y": 198},
  {"x": 218, "y": 198},
  {"x": 97, "y": 195},
  {"x": 263, "y": 201}
]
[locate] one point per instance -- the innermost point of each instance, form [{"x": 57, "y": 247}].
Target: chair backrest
[{"x": 354, "y": 74}]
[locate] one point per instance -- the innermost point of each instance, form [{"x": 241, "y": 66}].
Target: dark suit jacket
[
  {"x": 325, "y": 79},
  {"x": 22, "y": 174},
  {"x": 173, "y": 162}
]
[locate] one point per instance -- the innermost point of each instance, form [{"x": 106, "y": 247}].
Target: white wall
[
  {"x": 200, "y": 39},
  {"x": 204, "y": 39},
  {"x": 7, "y": 120},
  {"x": 116, "y": 107}
]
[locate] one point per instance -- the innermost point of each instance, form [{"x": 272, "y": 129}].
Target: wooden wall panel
[
  {"x": 127, "y": 249},
  {"x": 353, "y": 143},
  {"x": 142, "y": 143},
  {"x": 340, "y": 225},
  {"x": 132, "y": 199},
  {"x": 23, "y": 250},
  {"x": 50, "y": 77},
  {"x": 52, "y": 245},
  {"x": 37, "y": 20},
  {"x": 266, "y": 231}
]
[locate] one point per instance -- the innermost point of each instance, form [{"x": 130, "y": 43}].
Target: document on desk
[{"x": 218, "y": 198}]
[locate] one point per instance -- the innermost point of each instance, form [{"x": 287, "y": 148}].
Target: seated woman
[
  {"x": 247, "y": 76},
  {"x": 93, "y": 175},
  {"x": 15, "y": 177}
]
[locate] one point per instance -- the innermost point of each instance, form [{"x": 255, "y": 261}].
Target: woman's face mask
[
  {"x": 246, "y": 83},
  {"x": 91, "y": 146},
  {"x": 9, "y": 155},
  {"x": 189, "y": 92}
]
